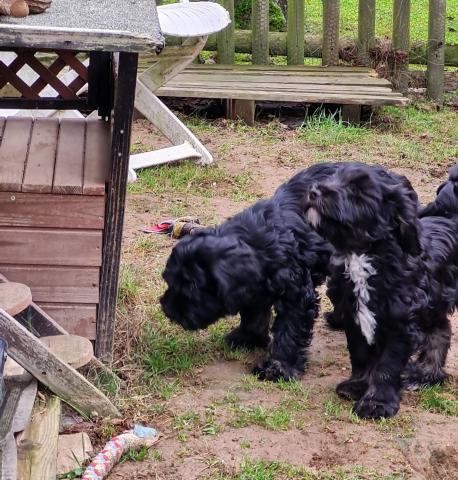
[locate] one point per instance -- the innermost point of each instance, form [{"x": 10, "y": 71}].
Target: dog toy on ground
[
  {"x": 111, "y": 454},
  {"x": 177, "y": 228}
]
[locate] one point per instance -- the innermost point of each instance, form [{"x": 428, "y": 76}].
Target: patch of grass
[
  {"x": 129, "y": 284},
  {"x": 333, "y": 408},
  {"x": 276, "y": 418},
  {"x": 190, "y": 178},
  {"x": 400, "y": 426},
  {"x": 265, "y": 470},
  {"x": 324, "y": 129},
  {"x": 106, "y": 382},
  {"x": 136, "y": 455},
  {"x": 440, "y": 399}
]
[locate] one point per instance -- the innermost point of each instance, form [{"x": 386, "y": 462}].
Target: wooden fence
[{"x": 399, "y": 55}]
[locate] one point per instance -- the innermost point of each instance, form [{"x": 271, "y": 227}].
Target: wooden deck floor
[{"x": 355, "y": 86}]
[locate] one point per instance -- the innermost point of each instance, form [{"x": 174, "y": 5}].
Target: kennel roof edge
[{"x": 109, "y": 25}]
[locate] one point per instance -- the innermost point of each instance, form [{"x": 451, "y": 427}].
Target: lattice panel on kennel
[{"x": 53, "y": 177}]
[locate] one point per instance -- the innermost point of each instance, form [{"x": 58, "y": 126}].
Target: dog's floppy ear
[
  {"x": 237, "y": 273},
  {"x": 404, "y": 207}
]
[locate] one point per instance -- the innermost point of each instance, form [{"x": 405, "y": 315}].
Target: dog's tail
[{"x": 446, "y": 202}]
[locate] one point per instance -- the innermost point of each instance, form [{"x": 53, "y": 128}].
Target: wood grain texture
[
  {"x": 24, "y": 246},
  {"x": 74, "y": 319},
  {"x": 37, "y": 445},
  {"x": 61, "y": 379},
  {"x": 75, "y": 350},
  {"x": 68, "y": 172},
  {"x": 51, "y": 211},
  {"x": 116, "y": 199},
  {"x": 56, "y": 284},
  {"x": 14, "y": 297},
  {"x": 39, "y": 169},
  {"x": 97, "y": 158},
  {"x": 13, "y": 153}
]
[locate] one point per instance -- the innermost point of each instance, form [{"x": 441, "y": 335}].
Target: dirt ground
[{"x": 321, "y": 435}]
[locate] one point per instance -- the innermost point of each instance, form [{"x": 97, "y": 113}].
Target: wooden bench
[{"x": 243, "y": 85}]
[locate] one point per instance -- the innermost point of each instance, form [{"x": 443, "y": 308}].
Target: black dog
[
  {"x": 398, "y": 277},
  {"x": 266, "y": 256}
]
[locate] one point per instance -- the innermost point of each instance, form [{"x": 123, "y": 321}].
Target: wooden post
[
  {"x": 260, "y": 29},
  {"x": 366, "y": 29},
  {"x": 296, "y": 31},
  {"x": 436, "y": 50},
  {"x": 225, "y": 39},
  {"x": 331, "y": 18},
  {"x": 116, "y": 199},
  {"x": 401, "y": 41}
]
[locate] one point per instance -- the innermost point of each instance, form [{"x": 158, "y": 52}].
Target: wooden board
[
  {"x": 39, "y": 170},
  {"x": 57, "y": 284},
  {"x": 68, "y": 173},
  {"x": 13, "y": 153},
  {"x": 72, "y": 451},
  {"x": 97, "y": 159},
  {"x": 14, "y": 297},
  {"x": 335, "y": 85},
  {"x": 37, "y": 445},
  {"x": 61, "y": 379},
  {"x": 51, "y": 211},
  {"x": 50, "y": 247},
  {"x": 75, "y": 319},
  {"x": 72, "y": 349}
]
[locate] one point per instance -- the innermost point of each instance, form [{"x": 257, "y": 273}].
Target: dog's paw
[
  {"x": 352, "y": 389},
  {"x": 274, "y": 370},
  {"x": 239, "y": 338},
  {"x": 384, "y": 404},
  {"x": 416, "y": 378},
  {"x": 334, "y": 321}
]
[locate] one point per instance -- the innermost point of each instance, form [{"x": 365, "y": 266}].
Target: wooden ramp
[{"x": 243, "y": 85}]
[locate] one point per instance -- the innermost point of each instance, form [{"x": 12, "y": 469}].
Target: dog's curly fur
[
  {"x": 266, "y": 256},
  {"x": 395, "y": 279}
]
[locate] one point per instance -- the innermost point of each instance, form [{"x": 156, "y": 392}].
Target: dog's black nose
[{"x": 314, "y": 192}]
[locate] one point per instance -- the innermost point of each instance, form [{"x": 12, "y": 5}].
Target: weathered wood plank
[
  {"x": 51, "y": 211},
  {"x": 436, "y": 50},
  {"x": 14, "y": 297},
  {"x": 73, "y": 318},
  {"x": 314, "y": 97},
  {"x": 50, "y": 247},
  {"x": 331, "y": 26},
  {"x": 225, "y": 38},
  {"x": 37, "y": 445},
  {"x": 243, "y": 110},
  {"x": 74, "y": 350},
  {"x": 61, "y": 379},
  {"x": 39, "y": 169},
  {"x": 68, "y": 172},
  {"x": 97, "y": 158},
  {"x": 295, "y": 32},
  {"x": 13, "y": 153},
  {"x": 116, "y": 198},
  {"x": 56, "y": 284}
]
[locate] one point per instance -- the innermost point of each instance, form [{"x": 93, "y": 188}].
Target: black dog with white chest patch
[
  {"x": 262, "y": 258},
  {"x": 398, "y": 279}
]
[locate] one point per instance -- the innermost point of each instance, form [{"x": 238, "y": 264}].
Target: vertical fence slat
[
  {"x": 331, "y": 17},
  {"x": 260, "y": 31},
  {"x": 296, "y": 31},
  {"x": 436, "y": 50},
  {"x": 225, "y": 39},
  {"x": 366, "y": 29},
  {"x": 401, "y": 43}
]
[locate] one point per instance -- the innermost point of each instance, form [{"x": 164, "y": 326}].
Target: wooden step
[{"x": 14, "y": 297}]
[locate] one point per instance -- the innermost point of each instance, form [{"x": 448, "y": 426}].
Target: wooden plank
[
  {"x": 50, "y": 247},
  {"x": 243, "y": 110},
  {"x": 13, "y": 153},
  {"x": 61, "y": 379},
  {"x": 366, "y": 29},
  {"x": 68, "y": 172},
  {"x": 282, "y": 68},
  {"x": 351, "y": 114},
  {"x": 260, "y": 27},
  {"x": 436, "y": 50},
  {"x": 331, "y": 26},
  {"x": 39, "y": 170},
  {"x": 116, "y": 198},
  {"x": 56, "y": 284},
  {"x": 37, "y": 445},
  {"x": 51, "y": 211},
  {"x": 401, "y": 44},
  {"x": 295, "y": 32},
  {"x": 275, "y": 87},
  {"x": 97, "y": 159},
  {"x": 225, "y": 39},
  {"x": 392, "y": 99}
]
